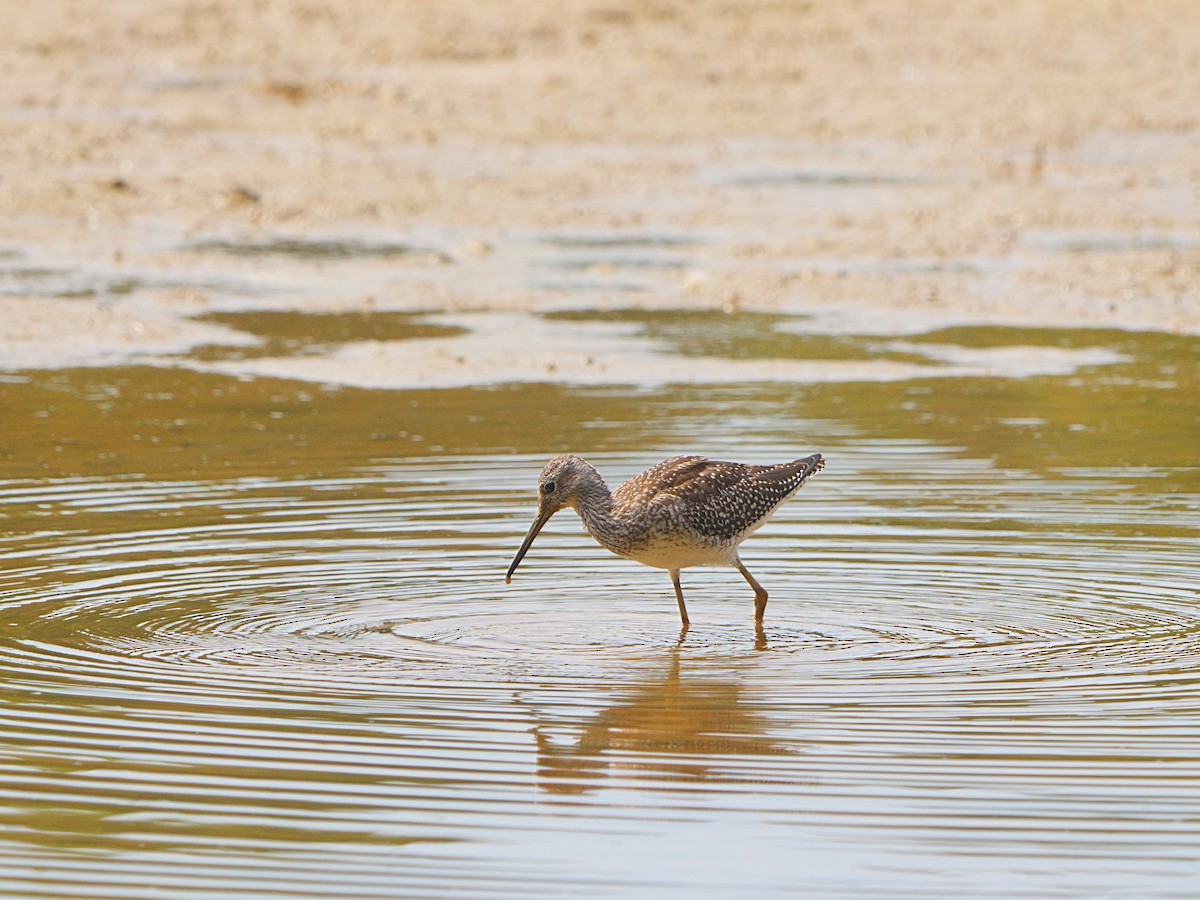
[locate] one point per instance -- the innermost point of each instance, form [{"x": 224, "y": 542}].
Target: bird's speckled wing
[
  {"x": 640, "y": 490},
  {"x": 720, "y": 500}
]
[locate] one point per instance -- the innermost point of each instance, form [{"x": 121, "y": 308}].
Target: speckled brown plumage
[{"x": 686, "y": 511}]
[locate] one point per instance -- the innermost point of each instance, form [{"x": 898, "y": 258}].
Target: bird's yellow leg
[
  {"x": 760, "y": 592},
  {"x": 683, "y": 617}
]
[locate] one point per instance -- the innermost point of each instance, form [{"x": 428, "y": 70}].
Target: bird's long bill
[{"x": 541, "y": 520}]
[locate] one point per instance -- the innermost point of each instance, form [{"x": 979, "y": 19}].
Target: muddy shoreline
[{"x": 872, "y": 167}]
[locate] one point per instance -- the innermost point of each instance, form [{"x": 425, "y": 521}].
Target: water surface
[{"x": 264, "y": 647}]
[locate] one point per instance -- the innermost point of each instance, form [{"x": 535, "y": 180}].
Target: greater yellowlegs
[{"x": 685, "y": 511}]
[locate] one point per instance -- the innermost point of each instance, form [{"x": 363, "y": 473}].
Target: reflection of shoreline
[
  {"x": 491, "y": 349},
  {"x": 676, "y": 728}
]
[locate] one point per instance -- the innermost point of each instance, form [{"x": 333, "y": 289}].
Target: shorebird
[{"x": 686, "y": 511}]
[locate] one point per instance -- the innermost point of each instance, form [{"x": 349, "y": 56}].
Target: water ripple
[{"x": 953, "y": 657}]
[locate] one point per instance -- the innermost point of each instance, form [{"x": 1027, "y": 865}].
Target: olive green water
[{"x": 256, "y": 640}]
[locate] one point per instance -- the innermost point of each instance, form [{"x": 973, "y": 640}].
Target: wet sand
[{"x": 877, "y": 167}]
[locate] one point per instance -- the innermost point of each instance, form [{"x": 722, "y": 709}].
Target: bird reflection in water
[{"x": 679, "y": 728}]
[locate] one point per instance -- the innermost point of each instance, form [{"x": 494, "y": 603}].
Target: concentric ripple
[{"x": 324, "y": 688}]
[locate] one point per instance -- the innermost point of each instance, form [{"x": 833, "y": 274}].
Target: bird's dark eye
[{"x": 548, "y": 487}]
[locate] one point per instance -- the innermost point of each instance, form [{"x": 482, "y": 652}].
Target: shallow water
[{"x": 264, "y": 647}]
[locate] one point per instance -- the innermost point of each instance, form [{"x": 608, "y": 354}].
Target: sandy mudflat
[{"x": 880, "y": 166}]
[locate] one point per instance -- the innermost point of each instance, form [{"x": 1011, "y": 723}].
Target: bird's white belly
[{"x": 679, "y": 555}]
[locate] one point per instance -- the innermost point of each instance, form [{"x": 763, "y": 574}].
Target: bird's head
[{"x": 562, "y": 481}]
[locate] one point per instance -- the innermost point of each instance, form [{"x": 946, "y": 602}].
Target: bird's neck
[{"x": 595, "y": 507}]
